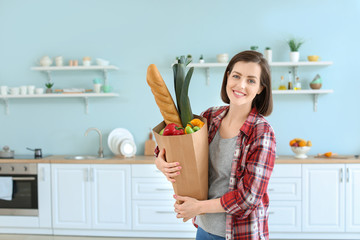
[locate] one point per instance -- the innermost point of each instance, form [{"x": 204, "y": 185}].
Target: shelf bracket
[
  {"x": 6, "y": 101},
  {"x": 207, "y": 72},
  {"x": 105, "y": 76},
  {"x": 316, "y": 96},
  {"x": 49, "y": 76},
  {"x": 86, "y": 101}
]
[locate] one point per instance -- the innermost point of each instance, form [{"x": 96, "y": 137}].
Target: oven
[{"x": 24, "y": 200}]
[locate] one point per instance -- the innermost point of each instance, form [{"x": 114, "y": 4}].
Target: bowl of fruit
[{"x": 300, "y": 147}]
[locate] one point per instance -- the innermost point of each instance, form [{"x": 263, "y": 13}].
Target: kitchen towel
[{"x": 6, "y": 188}]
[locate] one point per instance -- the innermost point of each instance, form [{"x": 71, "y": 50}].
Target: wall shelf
[
  {"x": 85, "y": 96},
  {"x": 307, "y": 91},
  {"x": 49, "y": 69},
  {"x": 293, "y": 65}
]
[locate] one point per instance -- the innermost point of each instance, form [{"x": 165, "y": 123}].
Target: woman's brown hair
[{"x": 263, "y": 101}]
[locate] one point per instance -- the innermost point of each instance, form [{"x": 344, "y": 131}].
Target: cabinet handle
[
  {"x": 271, "y": 189},
  {"x": 347, "y": 175},
  {"x": 271, "y": 213},
  {"x": 43, "y": 174},
  {"x": 91, "y": 174},
  {"x": 341, "y": 175},
  {"x": 86, "y": 175},
  {"x": 163, "y": 189},
  {"x": 165, "y": 212}
]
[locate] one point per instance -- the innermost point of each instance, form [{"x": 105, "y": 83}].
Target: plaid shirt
[{"x": 247, "y": 202}]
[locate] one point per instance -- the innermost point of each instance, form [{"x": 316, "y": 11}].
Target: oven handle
[{"x": 23, "y": 178}]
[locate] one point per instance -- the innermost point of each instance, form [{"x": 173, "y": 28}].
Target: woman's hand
[
  {"x": 188, "y": 208},
  {"x": 170, "y": 170}
]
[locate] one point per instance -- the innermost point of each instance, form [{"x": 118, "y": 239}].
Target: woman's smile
[{"x": 239, "y": 94}]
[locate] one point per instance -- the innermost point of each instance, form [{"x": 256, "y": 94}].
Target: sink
[{"x": 85, "y": 157}]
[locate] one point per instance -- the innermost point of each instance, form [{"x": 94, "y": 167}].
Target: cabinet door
[
  {"x": 71, "y": 196},
  {"x": 111, "y": 196},
  {"x": 44, "y": 195},
  {"x": 352, "y": 197},
  {"x": 285, "y": 216},
  {"x": 323, "y": 197}
]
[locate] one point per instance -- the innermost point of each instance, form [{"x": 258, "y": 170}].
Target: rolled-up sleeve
[{"x": 252, "y": 184}]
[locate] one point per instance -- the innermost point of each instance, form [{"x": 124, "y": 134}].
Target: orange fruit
[
  {"x": 328, "y": 154},
  {"x": 302, "y": 143},
  {"x": 292, "y": 142},
  {"x": 309, "y": 144}
]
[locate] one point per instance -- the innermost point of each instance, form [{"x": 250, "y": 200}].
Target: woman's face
[{"x": 244, "y": 83}]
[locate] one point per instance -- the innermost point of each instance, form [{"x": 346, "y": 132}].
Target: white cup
[
  {"x": 31, "y": 89},
  {"x": 14, "y": 91},
  {"x": 4, "y": 90},
  {"x": 86, "y": 63},
  {"x": 23, "y": 90},
  {"x": 39, "y": 90},
  {"x": 97, "y": 87},
  {"x": 59, "y": 61}
]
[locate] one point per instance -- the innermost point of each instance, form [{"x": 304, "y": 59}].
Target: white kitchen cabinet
[
  {"x": 87, "y": 196},
  {"x": 323, "y": 198},
  {"x": 153, "y": 203},
  {"x": 353, "y": 198},
  {"x": 285, "y": 216},
  {"x": 44, "y": 195},
  {"x": 111, "y": 196}
]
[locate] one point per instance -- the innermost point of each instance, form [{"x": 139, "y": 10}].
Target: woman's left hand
[{"x": 188, "y": 208}]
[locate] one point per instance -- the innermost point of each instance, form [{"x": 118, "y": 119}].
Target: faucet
[{"x": 101, "y": 152}]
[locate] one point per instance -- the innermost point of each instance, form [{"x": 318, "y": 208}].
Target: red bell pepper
[{"x": 173, "y": 129}]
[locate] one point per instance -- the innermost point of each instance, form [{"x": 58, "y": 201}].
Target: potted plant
[
  {"x": 201, "y": 59},
  {"x": 48, "y": 87},
  {"x": 268, "y": 54},
  {"x": 294, "y": 49},
  {"x": 189, "y": 57}
]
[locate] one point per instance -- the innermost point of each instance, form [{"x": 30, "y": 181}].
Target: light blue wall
[{"x": 134, "y": 34}]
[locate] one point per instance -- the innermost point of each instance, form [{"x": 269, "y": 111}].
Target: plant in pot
[
  {"x": 294, "y": 49},
  {"x": 49, "y": 87}
]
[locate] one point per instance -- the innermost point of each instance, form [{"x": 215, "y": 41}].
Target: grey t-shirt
[{"x": 221, "y": 153}]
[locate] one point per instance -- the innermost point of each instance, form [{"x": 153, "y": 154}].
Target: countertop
[{"x": 150, "y": 160}]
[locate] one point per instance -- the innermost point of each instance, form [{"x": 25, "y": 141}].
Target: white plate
[{"x": 117, "y": 133}]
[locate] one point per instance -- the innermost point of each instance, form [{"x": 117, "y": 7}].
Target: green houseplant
[
  {"x": 294, "y": 49},
  {"x": 48, "y": 87}
]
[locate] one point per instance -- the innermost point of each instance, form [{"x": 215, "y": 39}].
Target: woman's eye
[
  {"x": 251, "y": 81},
  {"x": 236, "y": 76}
]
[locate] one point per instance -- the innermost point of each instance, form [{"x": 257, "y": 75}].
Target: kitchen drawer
[
  {"x": 146, "y": 170},
  {"x": 284, "y": 189},
  {"x": 286, "y": 170},
  {"x": 158, "y": 216},
  {"x": 152, "y": 188},
  {"x": 285, "y": 216}
]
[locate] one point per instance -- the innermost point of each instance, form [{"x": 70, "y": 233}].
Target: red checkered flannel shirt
[{"x": 247, "y": 202}]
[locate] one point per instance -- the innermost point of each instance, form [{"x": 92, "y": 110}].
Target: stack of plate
[{"x": 121, "y": 142}]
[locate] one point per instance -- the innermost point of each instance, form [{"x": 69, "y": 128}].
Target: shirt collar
[{"x": 249, "y": 122}]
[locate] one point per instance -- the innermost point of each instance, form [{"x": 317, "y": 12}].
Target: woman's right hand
[{"x": 170, "y": 170}]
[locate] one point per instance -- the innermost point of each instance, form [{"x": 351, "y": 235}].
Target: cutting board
[
  {"x": 149, "y": 146},
  {"x": 335, "y": 157}
]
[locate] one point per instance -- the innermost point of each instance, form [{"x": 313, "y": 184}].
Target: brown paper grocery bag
[{"x": 191, "y": 151}]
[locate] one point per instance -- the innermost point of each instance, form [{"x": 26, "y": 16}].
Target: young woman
[{"x": 241, "y": 156}]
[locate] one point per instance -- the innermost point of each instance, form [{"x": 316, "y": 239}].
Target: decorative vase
[
  {"x": 268, "y": 55},
  {"x": 48, "y": 90},
  {"x": 294, "y": 56}
]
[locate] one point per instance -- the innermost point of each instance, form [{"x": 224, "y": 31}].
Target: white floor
[{"x": 48, "y": 237}]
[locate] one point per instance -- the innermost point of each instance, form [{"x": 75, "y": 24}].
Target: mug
[
  {"x": 31, "y": 89},
  {"x": 39, "y": 90},
  {"x": 14, "y": 91},
  {"x": 4, "y": 90},
  {"x": 23, "y": 90},
  {"x": 59, "y": 61},
  {"x": 97, "y": 87},
  {"x": 106, "y": 88}
]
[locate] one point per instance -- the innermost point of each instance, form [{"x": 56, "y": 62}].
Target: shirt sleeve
[{"x": 252, "y": 184}]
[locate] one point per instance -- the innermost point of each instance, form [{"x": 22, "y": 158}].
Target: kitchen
[{"x": 133, "y": 34}]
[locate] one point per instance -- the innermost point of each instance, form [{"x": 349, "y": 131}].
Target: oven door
[{"x": 24, "y": 200}]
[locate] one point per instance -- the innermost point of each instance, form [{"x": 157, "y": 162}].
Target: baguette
[{"x": 162, "y": 96}]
